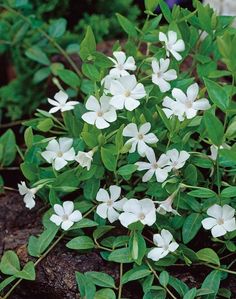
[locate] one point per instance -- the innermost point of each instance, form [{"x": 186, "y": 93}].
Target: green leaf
[
  {"x": 212, "y": 282},
  {"x": 69, "y": 77},
  {"x": 229, "y": 192},
  {"x": 10, "y": 263},
  {"x": 190, "y": 294},
  {"x": 137, "y": 246},
  {"x": 127, "y": 169},
  {"x": 135, "y": 274},
  {"x": 108, "y": 159},
  {"x": 84, "y": 223},
  {"x": 204, "y": 16},
  {"x": 208, "y": 255},
  {"x": 90, "y": 71},
  {"x": 29, "y": 137},
  {"x": 121, "y": 255},
  {"x": 88, "y": 44},
  {"x": 127, "y": 25},
  {"x": 66, "y": 182},
  {"x": 151, "y": 5},
  {"x": 191, "y": 226},
  {"x": 28, "y": 272},
  {"x": 217, "y": 94},
  {"x": 214, "y": 127},
  {"x": 105, "y": 294},
  {"x": 6, "y": 282},
  {"x": 8, "y": 145},
  {"x": 91, "y": 188},
  {"x": 86, "y": 287},
  {"x": 164, "y": 278},
  {"x": 36, "y": 54},
  {"x": 165, "y": 10},
  {"x": 101, "y": 230},
  {"x": 82, "y": 242},
  {"x": 179, "y": 286},
  {"x": 101, "y": 279},
  {"x": 45, "y": 125},
  {"x": 57, "y": 28},
  {"x": 202, "y": 193},
  {"x": 41, "y": 74}
]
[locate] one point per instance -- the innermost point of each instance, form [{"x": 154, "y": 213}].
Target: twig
[{"x": 120, "y": 284}]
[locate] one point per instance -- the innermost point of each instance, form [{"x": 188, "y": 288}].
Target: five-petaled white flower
[
  {"x": 59, "y": 152},
  {"x": 65, "y": 215},
  {"x": 126, "y": 92},
  {"x": 172, "y": 45},
  {"x": 121, "y": 64},
  {"x": 109, "y": 206},
  {"x": 221, "y": 220},
  {"x": 100, "y": 114},
  {"x": 139, "y": 137},
  {"x": 84, "y": 159},
  {"x": 185, "y": 104},
  {"x": 161, "y": 75},
  {"x": 160, "y": 168},
  {"x": 165, "y": 244},
  {"x": 177, "y": 159},
  {"x": 165, "y": 206},
  {"x": 29, "y": 194},
  {"x": 60, "y": 102},
  {"x": 138, "y": 210}
]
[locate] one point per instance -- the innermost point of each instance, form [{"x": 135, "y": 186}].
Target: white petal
[
  {"x": 143, "y": 165},
  {"x": 59, "y": 163},
  {"x": 115, "y": 192},
  {"x": 150, "y": 138},
  {"x": 176, "y": 55},
  {"x": 128, "y": 82},
  {"x": 23, "y": 188},
  {"x": 58, "y": 209},
  {"x": 56, "y": 219},
  {"x": 120, "y": 57},
  {"x": 155, "y": 66},
  {"x": 138, "y": 92},
  {"x": 190, "y": 113},
  {"x": 75, "y": 216},
  {"x": 155, "y": 254},
  {"x": 130, "y": 130},
  {"x": 118, "y": 101},
  {"x": 49, "y": 156},
  {"x": 173, "y": 155},
  {"x": 164, "y": 64},
  {"x": 179, "y": 95},
  {"x": 69, "y": 155},
  {"x": 227, "y": 212},
  {"x": 162, "y": 37},
  {"x": 65, "y": 144},
  {"x": 116, "y": 87},
  {"x": 132, "y": 206},
  {"x": 202, "y": 104},
  {"x": 54, "y": 103},
  {"x": 148, "y": 175},
  {"x": 208, "y": 223},
  {"x": 163, "y": 85},
  {"x": 150, "y": 154},
  {"x": 127, "y": 218},
  {"x": 118, "y": 205},
  {"x": 29, "y": 201},
  {"x": 158, "y": 240},
  {"x": 142, "y": 148},
  {"x": 161, "y": 175},
  {"x": 163, "y": 160},
  {"x": 67, "y": 107},
  {"x": 54, "y": 109},
  {"x": 102, "y": 195},
  {"x": 172, "y": 36},
  {"x": 170, "y": 75},
  {"x": 131, "y": 104},
  {"x": 53, "y": 146},
  {"x": 192, "y": 92},
  {"x": 218, "y": 231},
  {"x": 173, "y": 246},
  {"x": 215, "y": 211},
  {"x": 90, "y": 117},
  {"x": 130, "y": 64},
  {"x": 68, "y": 207},
  {"x": 102, "y": 210},
  {"x": 112, "y": 215},
  {"x": 183, "y": 156},
  {"x": 145, "y": 128},
  {"x": 66, "y": 224},
  {"x": 61, "y": 97},
  {"x": 167, "y": 236},
  {"x": 179, "y": 46},
  {"x": 150, "y": 218},
  {"x": 230, "y": 225},
  {"x": 92, "y": 104},
  {"x": 101, "y": 123},
  {"x": 147, "y": 205},
  {"x": 110, "y": 115}
]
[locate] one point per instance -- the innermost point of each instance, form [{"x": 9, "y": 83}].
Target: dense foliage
[{"x": 142, "y": 143}]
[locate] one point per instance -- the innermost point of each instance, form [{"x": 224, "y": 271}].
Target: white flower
[
  {"x": 84, "y": 159},
  {"x": 121, "y": 64},
  {"x": 59, "y": 152},
  {"x": 139, "y": 137},
  {"x": 106, "y": 82},
  {"x": 165, "y": 245},
  {"x": 126, "y": 92},
  {"x": 160, "y": 168},
  {"x": 221, "y": 220},
  {"x": 214, "y": 150},
  {"x": 60, "y": 102},
  {"x": 185, "y": 104},
  {"x": 138, "y": 210},
  {"x": 166, "y": 206},
  {"x": 65, "y": 215},
  {"x": 100, "y": 114},
  {"x": 161, "y": 75},
  {"x": 172, "y": 45},
  {"x": 29, "y": 194},
  {"x": 109, "y": 206},
  {"x": 177, "y": 159}
]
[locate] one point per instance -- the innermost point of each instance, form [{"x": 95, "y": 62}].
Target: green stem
[
  {"x": 220, "y": 269},
  {"x": 155, "y": 274},
  {"x": 120, "y": 284}
]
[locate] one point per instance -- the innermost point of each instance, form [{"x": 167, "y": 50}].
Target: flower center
[
  {"x": 155, "y": 165},
  {"x": 65, "y": 217},
  {"x": 140, "y": 136},
  {"x": 141, "y": 216},
  {"x": 220, "y": 221},
  {"x": 109, "y": 203},
  {"x": 166, "y": 247},
  {"x": 189, "y": 104},
  {"x": 127, "y": 93},
  {"x": 60, "y": 154},
  {"x": 99, "y": 113},
  {"x": 158, "y": 75},
  {"x": 120, "y": 67}
]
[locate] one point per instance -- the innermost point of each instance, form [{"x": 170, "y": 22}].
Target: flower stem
[{"x": 120, "y": 285}]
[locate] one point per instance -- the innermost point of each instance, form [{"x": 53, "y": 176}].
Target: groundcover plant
[{"x": 142, "y": 161}]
